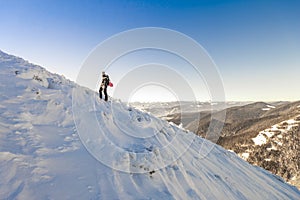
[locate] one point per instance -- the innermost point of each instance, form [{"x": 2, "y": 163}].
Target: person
[{"x": 103, "y": 86}]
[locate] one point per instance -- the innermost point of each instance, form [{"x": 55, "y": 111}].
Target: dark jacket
[{"x": 105, "y": 80}]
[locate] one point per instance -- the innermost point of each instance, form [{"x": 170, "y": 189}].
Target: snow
[
  {"x": 270, "y": 106},
  {"x": 268, "y": 133},
  {"x": 291, "y": 121},
  {"x": 245, "y": 156},
  {"x": 272, "y": 148},
  {"x": 260, "y": 139},
  {"x": 274, "y": 127},
  {"x": 108, "y": 150},
  {"x": 283, "y": 128}
]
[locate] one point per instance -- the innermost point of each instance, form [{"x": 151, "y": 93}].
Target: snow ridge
[{"x": 45, "y": 154}]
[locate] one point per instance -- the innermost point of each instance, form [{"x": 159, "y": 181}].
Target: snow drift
[{"x": 109, "y": 150}]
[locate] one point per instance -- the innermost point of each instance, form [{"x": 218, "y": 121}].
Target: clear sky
[{"x": 255, "y": 43}]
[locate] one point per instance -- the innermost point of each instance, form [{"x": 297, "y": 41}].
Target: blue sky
[{"x": 255, "y": 44}]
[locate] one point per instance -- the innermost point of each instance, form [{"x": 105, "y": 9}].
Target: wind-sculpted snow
[{"x": 109, "y": 150}]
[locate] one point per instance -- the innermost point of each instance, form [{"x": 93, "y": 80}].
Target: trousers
[{"x": 105, "y": 93}]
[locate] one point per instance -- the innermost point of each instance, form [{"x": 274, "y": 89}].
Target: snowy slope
[{"x": 43, "y": 154}]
